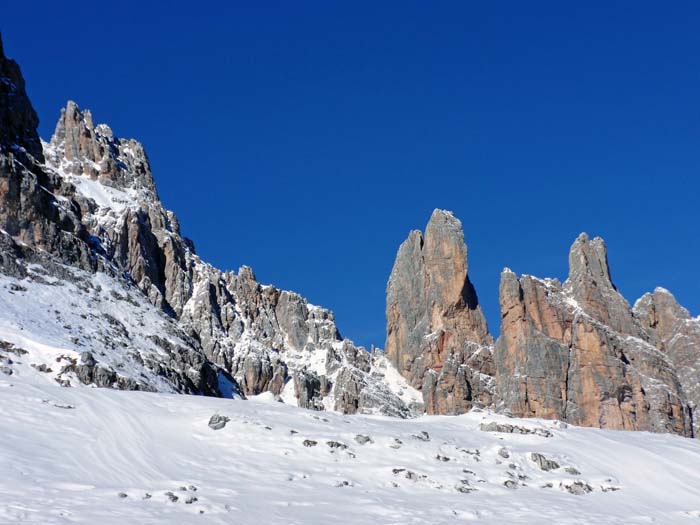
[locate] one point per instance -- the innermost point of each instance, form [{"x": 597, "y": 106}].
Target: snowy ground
[{"x": 82, "y": 455}]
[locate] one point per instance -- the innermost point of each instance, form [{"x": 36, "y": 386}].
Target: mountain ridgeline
[
  {"x": 575, "y": 351},
  {"x": 85, "y": 203},
  {"x": 95, "y": 273}
]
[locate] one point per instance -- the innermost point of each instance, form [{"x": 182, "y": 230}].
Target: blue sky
[{"x": 306, "y": 139}]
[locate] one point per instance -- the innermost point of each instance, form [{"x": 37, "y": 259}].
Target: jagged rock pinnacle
[{"x": 434, "y": 323}]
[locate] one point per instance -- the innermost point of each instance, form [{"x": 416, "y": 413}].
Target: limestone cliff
[
  {"x": 676, "y": 333},
  {"x": 575, "y": 352},
  {"x": 436, "y": 332}
]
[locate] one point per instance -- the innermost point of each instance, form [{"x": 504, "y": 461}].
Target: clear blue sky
[{"x": 305, "y": 139}]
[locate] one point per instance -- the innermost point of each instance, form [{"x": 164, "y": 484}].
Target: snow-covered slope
[
  {"x": 80, "y": 455},
  {"x": 70, "y": 327}
]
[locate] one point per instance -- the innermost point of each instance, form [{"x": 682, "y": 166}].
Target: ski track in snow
[{"x": 69, "y": 465}]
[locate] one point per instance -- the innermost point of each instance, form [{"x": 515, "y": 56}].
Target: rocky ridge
[
  {"x": 87, "y": 200},
  {"x": 575, "y": 351}
]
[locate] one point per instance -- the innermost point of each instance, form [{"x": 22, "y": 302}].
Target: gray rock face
[
  {"x": 18, "y": 120},
  {"x": 574, "y": 352},
  {"x": 436, "y": 332},
  {"x": 29, "y": 210},
  {"x": 307, "y": 388},
  {"x": 358, "y": 392},
  {"x": 81, "y": 148},
  {"x": 673, "y": 331}
]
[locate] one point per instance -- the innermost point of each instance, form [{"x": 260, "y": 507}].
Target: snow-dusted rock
[
  {"x": 574, "y": 352},
  {"x": 88, "y": 201},
  {"x": 676, "y": 333}
]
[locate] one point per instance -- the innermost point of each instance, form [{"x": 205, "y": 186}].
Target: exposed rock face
[
  {"x": 81, "y": 148},
  {"x": 672, "y": 329},
  {"x": 590, "y": 285},
  {"x": 18, "y": 120},
  {"x": 307, "y": 388},
  {"x": 28, "y": 211},
  {"x": 436, "y": 332},
  {"x": 575, "y": 352}
]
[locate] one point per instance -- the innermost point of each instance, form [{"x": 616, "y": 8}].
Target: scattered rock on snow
[
  {"x": 423, "y": 436},
  {"x": 397, "y": 443},
  {"x": 513, "y": 429},
  {"x": 577, "y": 487},
  {"x": 544, "y": 463},
  {"x": 464, "y": 487},
  {"x": 217, "y": 422}
]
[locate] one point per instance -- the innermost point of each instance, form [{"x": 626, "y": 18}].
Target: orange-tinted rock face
[
  {"x": 436, "y": 332},
  {"x": 575, "y": 352}
]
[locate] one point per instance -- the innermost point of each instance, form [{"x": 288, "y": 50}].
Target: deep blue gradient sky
[{"x": 306, "y": 139}]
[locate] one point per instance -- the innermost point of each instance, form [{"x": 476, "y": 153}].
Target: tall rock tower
[{"x": 436, "y": 332}]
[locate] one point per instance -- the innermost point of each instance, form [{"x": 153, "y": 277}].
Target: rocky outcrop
[
  {"x": 81, "y": 148},
  {"x": 676, "y": 333},
  {"x": 308, "y": 389},
  {"x": 436, "y": 332},
  {"x": 575, "y": 352},
  {"x": 18, "y": 120}
]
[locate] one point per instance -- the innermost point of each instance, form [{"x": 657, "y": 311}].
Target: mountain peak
[
  {"x": 80, "y": 148},
  {"x": 589, "y": 257},
  {"x": 434, "y": 323}
]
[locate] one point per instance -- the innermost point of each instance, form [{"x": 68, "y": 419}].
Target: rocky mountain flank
[
  {"x": 574, "y": 351},
  {"x": 86, "y": 201}
]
